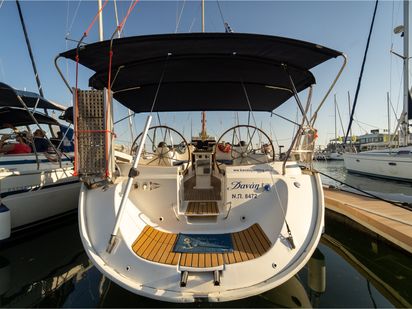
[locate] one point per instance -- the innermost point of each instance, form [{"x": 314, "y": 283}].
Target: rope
[
  {"x": 109, "y": 85},
  {"x": 109, "y": 98},
  {"x": 76, "y": 101},
  {"x": 399, "y": 204},
  {"x": 120, "y": 27},
  {"x": 76, "y": 114},
  {"x": 361, "y": 73},
  {"x": 86, "y": 33}
]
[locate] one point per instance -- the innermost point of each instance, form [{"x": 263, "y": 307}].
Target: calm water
[
  {"x": 388, "y": 189},
  {"x": 351, "y": 268},
  {"x": 51, "y": 270}
]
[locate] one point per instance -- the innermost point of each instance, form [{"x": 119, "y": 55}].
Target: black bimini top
[
  {"x": 203, "y": 71},
  {"x": 8, "y": 97},
  {"x": 21, "y": 117}
]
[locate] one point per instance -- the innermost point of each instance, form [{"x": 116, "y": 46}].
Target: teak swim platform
[{"x": 157, "y": 246}]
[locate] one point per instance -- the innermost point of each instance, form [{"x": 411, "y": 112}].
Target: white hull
[
  {"x": 392, "y": 164},
  {"x": 299, "y": 195},
  {"x": 31, "y": 195},
  {"x": 334, "y": 156}
]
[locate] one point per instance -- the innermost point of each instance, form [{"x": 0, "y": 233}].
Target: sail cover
[
  {"x": 8, "y": 97},
  {"x": 203, "y": 71}
]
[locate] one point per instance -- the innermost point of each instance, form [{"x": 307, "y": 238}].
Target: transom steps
[
  {"x": 192, "y": 194},
  {"x": 157, "y": 246},
  {"x": 206, "y": 209}
]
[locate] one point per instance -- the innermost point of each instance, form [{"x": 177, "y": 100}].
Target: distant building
[
  {"x": 375, "y": 140},
  {"x": 368, "y": 141}
]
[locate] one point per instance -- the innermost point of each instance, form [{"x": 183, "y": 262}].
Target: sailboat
[
  {"x": 390, "y": 163},
  {"x": 208, "y": 220},
  {"x": 334, "y": 150},
  {"x": 38, "y": 186}
]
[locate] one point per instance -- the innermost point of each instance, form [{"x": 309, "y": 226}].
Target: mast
[
  {"x": 336, "y": 128},
  {"x": 203, "y": 134},
  {"x": 404, "y": 121},
  {"x": 203, "y": 16},
  {"x": 99, "y": 4},
  {"x": 36, "y": 74},
  {"x": 33, "y": 63},
  {"x": 349, "y": 116},
  {"x": 389, "y": 119}
]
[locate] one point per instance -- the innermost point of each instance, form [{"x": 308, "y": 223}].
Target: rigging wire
[
  {"x": 194, "y": 17},
  {"x": 69, "y": 28},
  {"x": 366, "y": 124},
  {"x": 221, "y": 13},
  {"x": 361, "y": 72},
  {"x": 180, "y": 16}
]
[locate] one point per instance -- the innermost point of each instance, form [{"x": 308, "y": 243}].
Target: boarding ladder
[{"x": 93, "y": 143}]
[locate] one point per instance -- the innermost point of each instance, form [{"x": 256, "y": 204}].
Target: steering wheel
[
  {"x": 164, "y": 146},
  {"x": 244, "y": 151}
]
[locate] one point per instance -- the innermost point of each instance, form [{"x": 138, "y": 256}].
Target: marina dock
[{"x": 387, "y": 220}]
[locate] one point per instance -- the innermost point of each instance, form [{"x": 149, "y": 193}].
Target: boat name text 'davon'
[{"x": 239, "y": 185}]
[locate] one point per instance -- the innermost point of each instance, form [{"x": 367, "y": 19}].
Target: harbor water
[
  {"x": 350, "y": 268},
  {"x": 393, "y": 190}
]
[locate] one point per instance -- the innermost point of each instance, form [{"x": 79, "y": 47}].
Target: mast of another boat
[
  {"x": 336, "y": 128},
  {"x": 405, "y": 120},
  {"x": 203, "y": 135},
  {"x": 389, "y": 120},
  {"x": 350, "y": 131}
]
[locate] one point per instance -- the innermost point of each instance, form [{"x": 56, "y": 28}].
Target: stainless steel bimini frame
[{"x": 305, "y": 120}]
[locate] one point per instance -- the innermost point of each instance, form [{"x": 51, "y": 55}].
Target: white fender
[
  {"x": 317, "y": 272},
  {"x": 5, "y": 222}
]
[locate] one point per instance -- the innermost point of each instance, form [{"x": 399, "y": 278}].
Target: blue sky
[{"x": 341, "y": 25}]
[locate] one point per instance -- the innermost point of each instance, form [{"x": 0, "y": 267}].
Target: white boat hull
[
  {"x": 31, "y": 195},
  {"x": 300, "y": 194},
  {"x": 335, "y": 156},
  {"x": 379, "y": 163}
]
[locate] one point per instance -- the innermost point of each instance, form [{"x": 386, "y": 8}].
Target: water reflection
[
  {"x": 389, "y": 189},
  {"x": 348, "y": 269},
  {"x": 43, "y": 269},
  {"x": 379, "y": 266}
]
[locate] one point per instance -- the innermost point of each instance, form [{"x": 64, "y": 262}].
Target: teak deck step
[
  {"x": 157, "y": 246},
  {"x": 207, "y": 208},
  {"x": 192, "y": 194}
]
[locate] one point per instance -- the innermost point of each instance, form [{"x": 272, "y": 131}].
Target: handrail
[
  {"x": 38, "y": 125},
  {"x": 132, "y": 173}
]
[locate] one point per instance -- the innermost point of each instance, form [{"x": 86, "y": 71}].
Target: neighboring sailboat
[
  {"x": 391, "y": 163},
  {"x": 335, "y": 149},
  {"x": 36, "y": 186}
]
